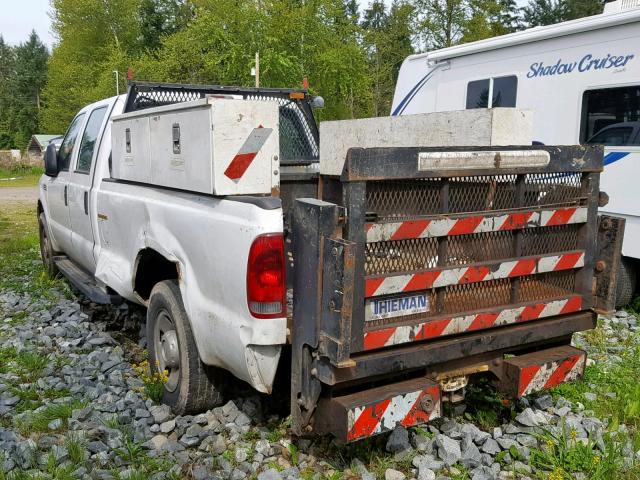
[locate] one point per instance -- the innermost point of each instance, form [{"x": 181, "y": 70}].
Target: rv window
[
  {"x": 478, "y": 94},
  {"x": 504, "y": 91},
  {"x": 605, "y": 107}
]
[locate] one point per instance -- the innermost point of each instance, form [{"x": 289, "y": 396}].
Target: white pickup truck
[
  {"x": 183, "y": 255},
  {"x": 394, "y": 276}
]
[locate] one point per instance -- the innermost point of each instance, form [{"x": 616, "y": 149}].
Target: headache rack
[
  {"x": 420, "y": 267},
  {"x": 298, "y": 129}
]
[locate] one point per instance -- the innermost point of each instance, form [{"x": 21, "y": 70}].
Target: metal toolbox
[{"x": 220, "y": 146}]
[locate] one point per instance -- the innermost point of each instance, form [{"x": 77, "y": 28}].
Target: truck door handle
[
  {"x": 86, "y": 203},
  {"x": 66, "y": 203}
]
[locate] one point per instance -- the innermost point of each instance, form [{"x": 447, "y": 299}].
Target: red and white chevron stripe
[
  {"x": 389, "y": 284},
  {"x": 404, "y": 409},
  {"x": 534, "y": 378},
  {"x": 440, "y": 227},
  {"x": 468, "y": 323}
]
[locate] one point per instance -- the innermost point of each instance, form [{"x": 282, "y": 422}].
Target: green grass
[
  {"x": 564, "y": 455},
  {"x": 35, "y": 422},
  {"x": 20, "y": 266},
  {"x": 20, "y": 175}
]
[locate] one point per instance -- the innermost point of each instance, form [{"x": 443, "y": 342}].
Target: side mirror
[
  {"x": 51, "y": 161},
  {"x": 317, "y": 102}
]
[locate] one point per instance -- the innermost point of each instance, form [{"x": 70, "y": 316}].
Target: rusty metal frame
[
  {"x": 609, "y": 245},
  {"x": 329, "y": 283}
]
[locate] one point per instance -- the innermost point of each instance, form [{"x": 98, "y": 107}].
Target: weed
[
  {"x": 153, "y": 381},
  {"x": 131, "y": 452},
  {"x": 486, "y": 406},
  {"x": 293, "y": 450},
  {"x": 564, "y": 454},
  {"x": 75, "y": 449}
]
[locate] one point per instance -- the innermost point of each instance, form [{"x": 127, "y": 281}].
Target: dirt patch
[{"x": 18, "y": 195}]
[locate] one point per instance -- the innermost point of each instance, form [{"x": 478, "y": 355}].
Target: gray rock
[
  {"x": 55, "y": 424},
  {"x": 157, "y": 442},
  {"x": 421, "y": 443},
  {"x": 160, "y": 413},
  {"x": 97, "y": 446},
  {"x": 448, "y": 449},
  {"x": 471, "y": 457},
  {"x": 526, "y": 440},
  {"x": 506, "y": 443},
  {"x": 271, "y": 474},
  {"x": 490, "y": 446},
  {"x": 263, "y": 447},
  {"x": 530, "y": 418},
  {"x": 483, "y": 473},
  {"x": 391, "y": 474},
  {"x": 242, "y": 419},
  {"x": 193, "y": 430},
  {"x": 426, "y": 474},
  {"x": 168, "y": 426},
  {"x": 544, "y": 402},
  {"x": 398, "y": 441},
  {"x": 590, "y": 397},
  {"x": 427, "y": 462}
]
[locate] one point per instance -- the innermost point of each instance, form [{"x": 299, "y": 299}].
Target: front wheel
[
  {"x": 46, "y": 250},
  {"x": 190, "y": 385}
]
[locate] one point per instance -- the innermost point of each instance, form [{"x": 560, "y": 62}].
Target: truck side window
[
  {"x": 505, "y": 90},
  {"x": 502, "y": 91},
  {"x": 66, "y": 149},
  {"x": 89, "y": 137},
  {"x": 478, "y": 94},
  {"x": 606, "y": 107}
]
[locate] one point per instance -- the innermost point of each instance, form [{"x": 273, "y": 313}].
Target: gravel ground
[
  {"x": 71, "y": 407},
  {"x": 18, "y": 194}
]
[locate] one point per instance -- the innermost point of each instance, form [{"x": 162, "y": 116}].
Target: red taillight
[{"x": 266, "y": 291}]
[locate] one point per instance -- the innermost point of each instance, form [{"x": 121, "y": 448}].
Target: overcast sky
[{"x": 19, "y": 17}]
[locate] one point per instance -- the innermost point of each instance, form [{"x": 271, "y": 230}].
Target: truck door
[
  {"x": 57, "y": 189},
  {"x": 80, "y": 182}
]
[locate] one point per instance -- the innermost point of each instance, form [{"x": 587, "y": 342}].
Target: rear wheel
[
  {"x": 627, "y": 278},
  {"x": 46, "y": 250},
  {"x": 191, "y": 386}
]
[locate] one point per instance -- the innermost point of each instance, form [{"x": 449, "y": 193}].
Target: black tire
[
  {"x": 46, "y": 250},
  {"x": 192, "y": 387},
  {"x": 627, "y": 278}
]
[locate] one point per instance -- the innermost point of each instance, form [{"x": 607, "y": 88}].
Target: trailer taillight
[{"x": 266, "y": 291}]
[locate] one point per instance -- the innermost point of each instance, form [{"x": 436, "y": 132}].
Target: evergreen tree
[
  {"x": 7, "y": 65},
  {"x": 441, "y": 23},
  {"x": 387, "y": 38},
  {"x": 23, "y": 77},
  {"x": 161, "y": 17},
  {"x": 583, "y": 8}
]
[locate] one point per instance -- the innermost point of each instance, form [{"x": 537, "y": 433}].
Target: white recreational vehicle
[{"x": 582, "y": 80}]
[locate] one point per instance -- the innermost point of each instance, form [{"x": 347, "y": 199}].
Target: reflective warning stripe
[
  {"x": 386, "y": 337},
  {"x": 539, "y": 377},
  {"x": 379, "y": 232},
  {"x": 248, "y": 151},
  {"x": 404, "y": 409},
  {"x": 385, "y": 285}
]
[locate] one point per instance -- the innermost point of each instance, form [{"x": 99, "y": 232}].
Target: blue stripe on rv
[
  {"x": 612, "y": 157},
  {"x": 412, "y": 93}
]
